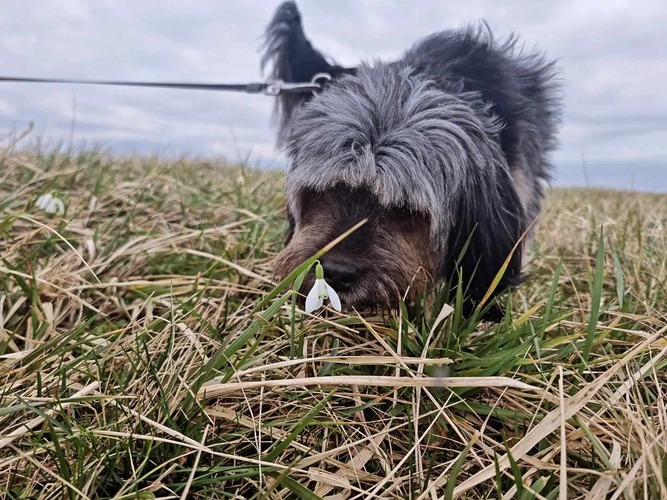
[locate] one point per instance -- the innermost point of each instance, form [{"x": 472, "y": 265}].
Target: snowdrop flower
[
  {"x": 320, "y": 291},
  {"x": 50, "y": 204}
]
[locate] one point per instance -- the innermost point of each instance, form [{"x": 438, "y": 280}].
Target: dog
[{"x": 444, "y": 152}]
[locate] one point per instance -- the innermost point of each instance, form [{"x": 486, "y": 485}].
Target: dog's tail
[{"x": 292, "y": 59}]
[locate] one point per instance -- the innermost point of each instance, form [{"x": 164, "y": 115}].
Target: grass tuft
[{"x": 145, "y": 351}]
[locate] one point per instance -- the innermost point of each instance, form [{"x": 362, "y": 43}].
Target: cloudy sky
[{"x": 612, "y": 54}]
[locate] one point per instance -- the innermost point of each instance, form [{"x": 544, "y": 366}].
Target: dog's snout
[{"x": 340, "y": 274}]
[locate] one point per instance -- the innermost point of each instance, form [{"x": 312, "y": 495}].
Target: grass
[{"x": 145, "y": 352}]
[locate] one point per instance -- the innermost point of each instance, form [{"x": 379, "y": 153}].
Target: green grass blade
[
  {"x": 596, "y": 299},
  {"x": 456, "y": 468}
]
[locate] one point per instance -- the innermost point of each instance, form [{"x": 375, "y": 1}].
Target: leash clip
[{"x": 278, "y": 87}]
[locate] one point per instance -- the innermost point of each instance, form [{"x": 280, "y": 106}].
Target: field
[{"x": 145, "y": 352}]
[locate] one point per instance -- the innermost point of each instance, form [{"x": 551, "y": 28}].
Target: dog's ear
[
  {"x": 489, "y": 229},
  {"x": 292, "y": 59}
]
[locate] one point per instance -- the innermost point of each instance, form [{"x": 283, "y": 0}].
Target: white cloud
[{"x": 611, "y": 54}]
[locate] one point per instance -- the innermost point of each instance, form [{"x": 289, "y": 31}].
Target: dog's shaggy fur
[{"x": 445, "y": 151}]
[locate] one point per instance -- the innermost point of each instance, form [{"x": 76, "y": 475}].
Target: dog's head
[
  {"x": 418, "y": 164},
  {"x": 421, "y": 165}
]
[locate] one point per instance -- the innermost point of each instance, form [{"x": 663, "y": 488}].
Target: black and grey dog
[{"x": 445, "y": 152}]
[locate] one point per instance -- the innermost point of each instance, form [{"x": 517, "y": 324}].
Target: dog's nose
[{"x": 340, "y": 274}]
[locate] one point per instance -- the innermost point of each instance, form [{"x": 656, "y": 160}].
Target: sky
[{"x": 611, "y": 54}]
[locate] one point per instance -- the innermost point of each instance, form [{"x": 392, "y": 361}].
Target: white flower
[
  {"x": 50, "y": 204},
  {"x": 320, "y": 291}
]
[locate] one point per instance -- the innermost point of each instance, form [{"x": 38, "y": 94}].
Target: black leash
[{"x": 273, "y": 88}]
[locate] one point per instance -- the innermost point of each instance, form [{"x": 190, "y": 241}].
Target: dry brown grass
[{"x": 145, "y": 351}]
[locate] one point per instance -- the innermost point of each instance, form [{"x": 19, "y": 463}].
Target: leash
[{"x": 272, "y": 88}]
